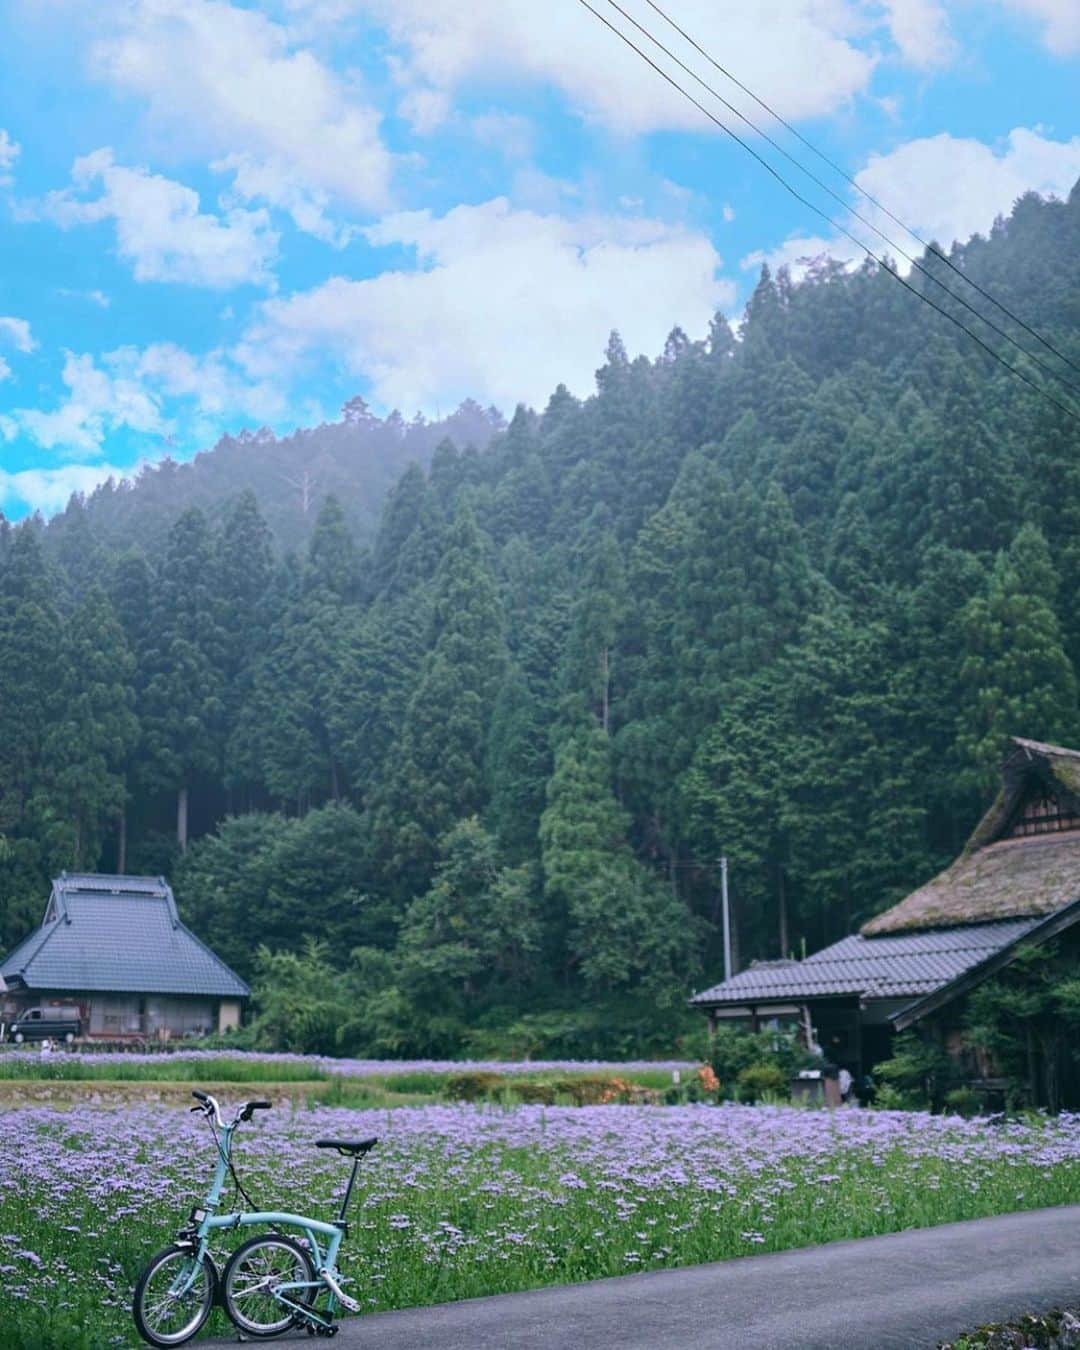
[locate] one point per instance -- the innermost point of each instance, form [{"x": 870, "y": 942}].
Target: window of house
[{"x": 1043, "y": 813}]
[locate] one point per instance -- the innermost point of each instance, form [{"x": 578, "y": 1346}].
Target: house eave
[{"x": 927, "y": 1004}]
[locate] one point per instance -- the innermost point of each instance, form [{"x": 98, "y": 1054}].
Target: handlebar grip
[
  {"x": 260, "y": 1106},
  {"x": 201, "y": 1096}
]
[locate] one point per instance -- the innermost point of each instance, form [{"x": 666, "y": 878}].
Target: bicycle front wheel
[
  {"x": 258, "y": 1268},
  {"x": 174, "y": 1296}
]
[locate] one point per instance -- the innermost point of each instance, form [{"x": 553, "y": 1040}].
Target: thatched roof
[{"x": 997, "y": 877}]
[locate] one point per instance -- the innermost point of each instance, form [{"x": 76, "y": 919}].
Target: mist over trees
[{"x": 779, "y": 596}]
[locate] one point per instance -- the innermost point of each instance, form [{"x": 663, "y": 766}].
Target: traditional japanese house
[
  {"x": 115, "y": 948},
  {"x": 1017, "y": 882}
]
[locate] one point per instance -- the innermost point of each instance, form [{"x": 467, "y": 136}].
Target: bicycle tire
[
  {"x": 241, "y": 1263},
  {"x": 148, "y": 1316}
]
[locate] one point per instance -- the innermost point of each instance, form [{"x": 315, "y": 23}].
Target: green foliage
[
  {"x": 1025, "y": 1019},
  {"x": 473, "y": 1087},
  {"x": 735, "y": 1050},
  {"x": 918, "y": 1076},
  {"x": 781, "y": 599},
  {"x": 761, "y": 1080}
]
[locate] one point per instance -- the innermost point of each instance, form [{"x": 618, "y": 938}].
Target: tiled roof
[
  {"x": 901, "y": 966},
  {"x": 121, "y": 935}
]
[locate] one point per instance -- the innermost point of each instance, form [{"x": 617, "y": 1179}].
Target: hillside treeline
[{"x": 778, "y": 597}]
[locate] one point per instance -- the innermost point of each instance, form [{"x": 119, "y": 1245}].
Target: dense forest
[
  {"x": 357, "y": 459},
  {"x": 778, "y": 595}
]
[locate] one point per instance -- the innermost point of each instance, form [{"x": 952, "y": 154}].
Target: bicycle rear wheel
[
  {"x": 254, "y": 1271},
  {"x": 174, "y": 1296}
]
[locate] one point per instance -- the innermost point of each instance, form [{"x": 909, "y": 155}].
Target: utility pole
[{"x": 727, "y": 918}]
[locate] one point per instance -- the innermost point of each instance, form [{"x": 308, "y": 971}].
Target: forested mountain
[
  {"x": 357, "y": 460},
  {"x": 778, "y": 596}
]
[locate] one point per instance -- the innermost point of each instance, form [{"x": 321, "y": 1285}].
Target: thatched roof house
[{"x": 1017, "y": 881}]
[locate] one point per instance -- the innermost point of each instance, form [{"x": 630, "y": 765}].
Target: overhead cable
[
  {"x": 794, "y": 192},
  {"x": 930, "y": 248},
  {"x": 960, "y": 300}
]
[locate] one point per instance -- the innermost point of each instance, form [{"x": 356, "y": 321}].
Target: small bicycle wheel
[
  {"x": 254, "y": 1271},
  {"x": 174, "y": 1296}
]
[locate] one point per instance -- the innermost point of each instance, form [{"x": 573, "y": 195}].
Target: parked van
[{"x": 45, "y": 1024}]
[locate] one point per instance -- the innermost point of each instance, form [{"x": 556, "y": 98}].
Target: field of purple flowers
[{"x": 459, "y": 1201}]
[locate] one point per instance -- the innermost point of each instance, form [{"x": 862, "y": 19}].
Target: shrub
[
  {"x": 734, "y": 1049},
  {"x": 473, "y": 1087},
  {"x": 533, "y": 1094},
  {"x": 963, "y": 1101},
  {"x": 920, "y": 1072},
  {"x": 758, "y": 1079},
  {"x": 586, "y": 1089}
]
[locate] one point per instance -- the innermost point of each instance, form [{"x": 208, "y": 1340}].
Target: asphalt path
[{"x": 903, "y": 1291}]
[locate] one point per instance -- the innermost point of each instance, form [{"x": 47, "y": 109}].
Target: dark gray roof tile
[
  {"x": 898, "y": 966},
  {"x": 118, "y": 934}
]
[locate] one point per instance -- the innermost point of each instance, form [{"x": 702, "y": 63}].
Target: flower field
[{"x": 460, "y": 1201}]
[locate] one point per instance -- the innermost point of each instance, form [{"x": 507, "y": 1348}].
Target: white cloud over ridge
[
  {"x": 947, "y": 188},
  {"x": 136, "y": 390},
  {"x": 230, "y": 82},
  {"x": 502, "y": 306},
  {"x": 49, "y": 490},
  {"x": 160, "y": 230}
]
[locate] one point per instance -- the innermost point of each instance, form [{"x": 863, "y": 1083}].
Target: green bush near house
[{"x": 760, "y": 1080}]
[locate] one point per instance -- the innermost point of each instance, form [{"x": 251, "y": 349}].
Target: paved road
[{"x": 900, "y": 1292}]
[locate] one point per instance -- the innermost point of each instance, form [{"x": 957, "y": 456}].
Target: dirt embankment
[{"x": 95, "y": 1092}]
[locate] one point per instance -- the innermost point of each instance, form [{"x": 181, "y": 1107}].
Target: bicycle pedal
[{"x": 350, "y": 1304}]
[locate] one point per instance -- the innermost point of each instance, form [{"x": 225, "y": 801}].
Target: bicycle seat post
[{"x": 349, "y": 1188}]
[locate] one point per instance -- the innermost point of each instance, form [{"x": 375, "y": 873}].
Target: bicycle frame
[{"x": 205, "y": 1221}]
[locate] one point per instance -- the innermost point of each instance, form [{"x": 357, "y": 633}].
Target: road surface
[{"x": 903, "y": 1291}]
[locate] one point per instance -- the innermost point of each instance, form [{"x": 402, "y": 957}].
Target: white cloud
[
  {"x": 800, "y": 55},
  {"x": 9, "y": 153},
  {"x": 97, "y": 402},
  {"x": 5, "y": 370},
  {"x": 502, "y": 306},
  {"x": 17, "y": 333},
  {"x": 920, "y": 29},
  {"x": 49, "y": 490},
  {"x": 271, "y": 181},
  {"x": 138, "y": 389},
  {"x": 98, "y": 298},
  {"x": 228, "y": 81},
  {"x": 160, "y": 229},
  {"x": 214, "y": 384},
  {"x": 1060, "y": 20},
  {"x": 947, "y": 188}
]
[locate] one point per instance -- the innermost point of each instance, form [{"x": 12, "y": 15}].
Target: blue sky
[{"x": 216, "y": 215}]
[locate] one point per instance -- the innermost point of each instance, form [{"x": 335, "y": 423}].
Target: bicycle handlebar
[{"x": 209, "y": 1106}]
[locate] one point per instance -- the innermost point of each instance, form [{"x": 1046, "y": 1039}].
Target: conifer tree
[
  {"x": 1016, "y": 675},
  {"x": 621, "y": 928},
  {"x": 438, "y": 776},
  {"x": 183, "y": 705},
  {"x": 96, "y": 731}
]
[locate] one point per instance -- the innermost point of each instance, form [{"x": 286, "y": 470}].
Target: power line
[
  {"x": 930, "y": 248},
  {"x": 1001, "y": 332},
  {"x": 1070, "y": 412}
]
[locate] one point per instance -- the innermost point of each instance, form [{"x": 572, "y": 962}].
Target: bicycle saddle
[{"x": 351, "y": 1148}]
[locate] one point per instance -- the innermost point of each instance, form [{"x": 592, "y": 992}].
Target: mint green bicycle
[{"x": 271, "y": 1282}]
